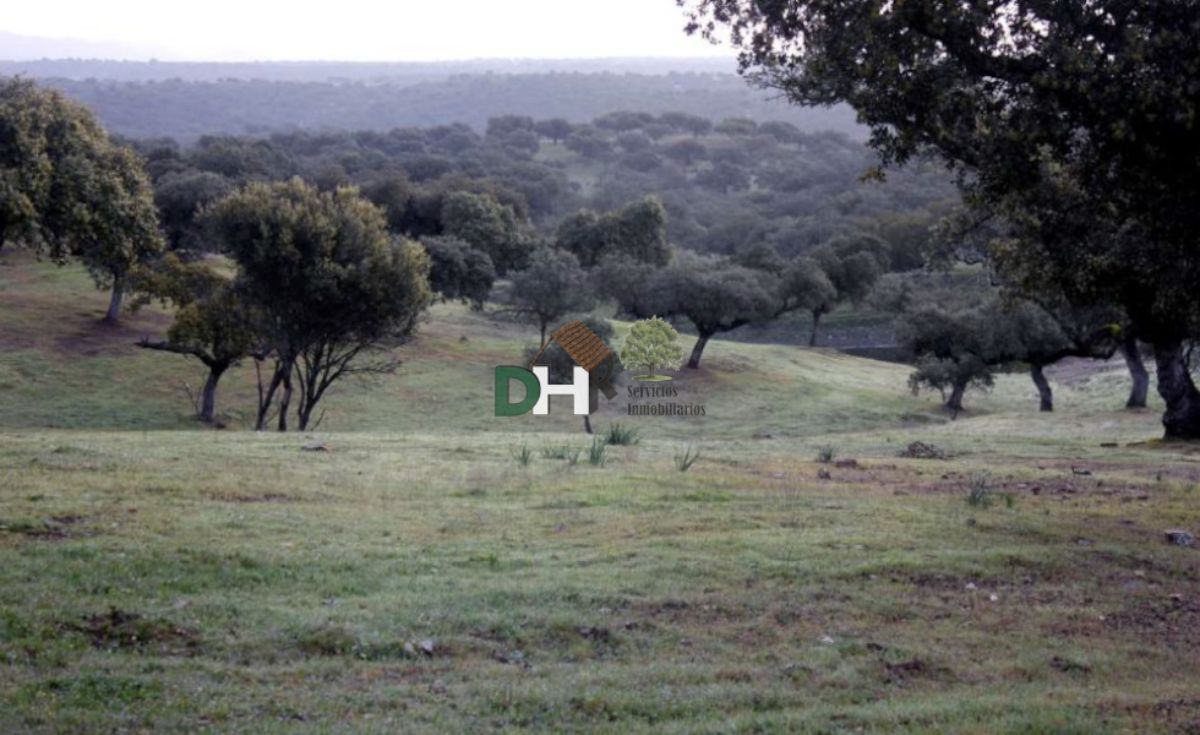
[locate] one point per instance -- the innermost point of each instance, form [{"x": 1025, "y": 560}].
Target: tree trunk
[
  {"x": 265, "y": 397},
  {"x": 1182, "y": 417},
  {"x": 697, "y": 351},
  {"x": 812, "y": 335},
  {"x": 954, "y": 402},
  {"x": 1043, "y": 386},
  {"x": 208, "y": 399},
  {"x": 114, "y": 302},
  {"x": 1137, "y": 373},
  {"x": 587, "y": 424},
  {"x": 285, "y": 400}
]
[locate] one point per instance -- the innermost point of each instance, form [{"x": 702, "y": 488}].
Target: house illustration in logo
[{"x": 595, "y": 367}]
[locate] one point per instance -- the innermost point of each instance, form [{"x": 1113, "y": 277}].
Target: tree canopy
[
  {"x": 328, "y": 282},
  {"x": 1070, "y": 121}
]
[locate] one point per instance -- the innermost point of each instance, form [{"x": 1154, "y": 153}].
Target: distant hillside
[
  {"x": 187, "y": 110},
  {"x": 17, "y": 46},
  {"x": 36, "y": 57}
]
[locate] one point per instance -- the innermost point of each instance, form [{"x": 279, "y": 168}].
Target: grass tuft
[
  {"x": 621, "y": 436},
  {"x": 685, "y": 459},
  {"x": 597, "y": 452},
  {"x": 523, "y": 455}
]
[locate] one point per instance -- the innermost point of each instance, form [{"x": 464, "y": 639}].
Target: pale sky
[{"x": 367, "y": 30}]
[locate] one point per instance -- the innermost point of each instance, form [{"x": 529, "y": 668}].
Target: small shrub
[
  {"x": 685, "y": 460},
  {"x": 621, "y": 436},
  {"x": 598, "y": 452},
  {"x": 826, "y": 453},
  {"x": 523, "y": 455},
  {"x": 979, "y": 492},
  {"x": 562, "y": 451}
]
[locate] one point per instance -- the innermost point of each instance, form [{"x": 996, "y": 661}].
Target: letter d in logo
[{"x": 505, "y": 374}]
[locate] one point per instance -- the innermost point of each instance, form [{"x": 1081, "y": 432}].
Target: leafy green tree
[
  {"x": 459, "y": 271},
  {"x": 49, "y": 148},
  {"x": 623, "y": 120},
  {"x": 714, "y": 294},
  {"x": 852, "y": 277},
  {"x": 953, "y": 350},
  {"x": 956, "y": 347},
  {"x": 652, "y": 345},
  {"x": 761, "y": 256},
  {"x": 686, "y": 123},
  {"x": 65, "y": 189},
  {"x": 180, "y": 196},
  {"x": 212, "y": 323},
  {"x": 1073, "y": 122},
  {"x": 800, "y": 284},
  {"x": 588, "y": 142},
  {"x": 556, "y": 129},
  {"x": 550, "y": 287},
  {"x": 635, "y": 142},
  {"x": 327, "y": 282},
  {"x": 637, "y": 231},
  {"x": 505, "y": 125},
  {"x": 486, "y": 225},
  {"x": 121, "y": 230},
  {"x": 804, "y": 286}
]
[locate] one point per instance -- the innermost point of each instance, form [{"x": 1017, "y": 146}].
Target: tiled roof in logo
[{"x": 582, "y": 344}]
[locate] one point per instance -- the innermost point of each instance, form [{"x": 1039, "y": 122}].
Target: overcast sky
[{"x": 365, "y": 30}]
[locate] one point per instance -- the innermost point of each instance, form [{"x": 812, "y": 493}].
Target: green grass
[{"x": 415, "y": 578}]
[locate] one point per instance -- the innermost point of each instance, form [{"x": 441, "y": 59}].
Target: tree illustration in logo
[{"x": 652, "y": 345}]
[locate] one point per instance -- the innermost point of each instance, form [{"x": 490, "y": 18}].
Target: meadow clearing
[{"x": 431, "y": 568}]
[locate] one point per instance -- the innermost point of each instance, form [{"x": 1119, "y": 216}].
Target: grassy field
[{"x": 424, "y": 574}]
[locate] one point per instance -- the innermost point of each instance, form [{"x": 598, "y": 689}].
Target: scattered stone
[
  {"x": 516, "y": 658},
  {"x": 994, "y": 597},
  {"x": 595, "y": 634},
  {"x": 1179, "y": 537},
  {"x": 827, "y": 640},
  {"x": 317, "y": 447},
  {"x": 1080, "y": 470},
  {"x": 921, "y": 450},
  {"x": 971, "y": 586},
  {"x": 428, "y": 646}
]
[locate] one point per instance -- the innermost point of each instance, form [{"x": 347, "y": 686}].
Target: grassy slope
[
  {"x": 278, "y": 589},
  {"x": 60, "y": 368}
]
